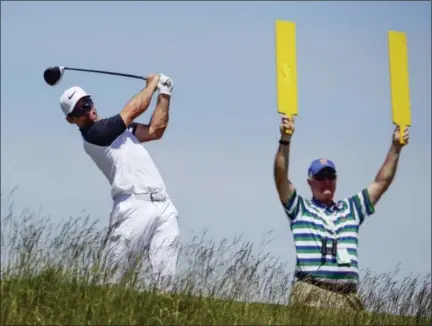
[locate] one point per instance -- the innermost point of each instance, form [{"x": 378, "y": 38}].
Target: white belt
[{"x": 152, "y": 197}]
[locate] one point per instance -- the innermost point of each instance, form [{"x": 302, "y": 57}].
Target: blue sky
[{"x": 217, "y": 154}]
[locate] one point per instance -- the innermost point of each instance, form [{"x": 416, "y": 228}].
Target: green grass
[{"x": 51, "y": 274}]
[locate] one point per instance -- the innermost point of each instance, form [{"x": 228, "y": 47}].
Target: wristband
[{"x": 284, "y": 142}]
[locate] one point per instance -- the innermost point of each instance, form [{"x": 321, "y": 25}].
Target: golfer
[
  {"x": 325, "y": 230},
  {"x": 143, "y": 218}
]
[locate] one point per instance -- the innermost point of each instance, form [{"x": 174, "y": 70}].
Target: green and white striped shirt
[{"x": 313, "y": 225}]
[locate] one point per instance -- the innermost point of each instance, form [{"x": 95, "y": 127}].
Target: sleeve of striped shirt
[
  {"x": 293, "y": 206},
  {"x": 361, "y": 206}
]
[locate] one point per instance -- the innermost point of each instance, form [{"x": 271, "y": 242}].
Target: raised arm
[
  {"x": 140, "y": 102},
  {"x": 387, "y": 171},
  {"x": 284, "y": 187},
  {"x": 159, "y": 120}
]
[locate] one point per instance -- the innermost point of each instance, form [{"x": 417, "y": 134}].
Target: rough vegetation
[{"x": 53, "y": 274}]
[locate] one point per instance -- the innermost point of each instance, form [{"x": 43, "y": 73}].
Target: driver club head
[{"x": 53, "y": 75}]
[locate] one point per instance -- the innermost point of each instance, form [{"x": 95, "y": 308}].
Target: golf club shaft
[{"x": 107, "y": 73}]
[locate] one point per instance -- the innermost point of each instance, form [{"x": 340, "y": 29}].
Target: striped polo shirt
[{"x": 315, "y": 226}]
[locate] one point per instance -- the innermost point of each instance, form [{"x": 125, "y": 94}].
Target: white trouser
[{"x": 146, "y": 228}]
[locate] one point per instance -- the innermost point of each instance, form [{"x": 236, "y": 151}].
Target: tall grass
[{"x": 54, "y": 273}]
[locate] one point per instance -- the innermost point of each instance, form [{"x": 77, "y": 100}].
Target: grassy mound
[{"x": 52, "y": 274}]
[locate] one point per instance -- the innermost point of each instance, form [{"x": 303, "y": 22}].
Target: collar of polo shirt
[{"x": 332, "y": 206}]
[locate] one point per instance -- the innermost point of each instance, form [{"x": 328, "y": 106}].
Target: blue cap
[{"x": 319, "y": 164}]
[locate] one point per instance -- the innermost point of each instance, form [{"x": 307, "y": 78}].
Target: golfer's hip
[
  {"x": 145, "y": 206},
  {"x": 124, "y": 187}
]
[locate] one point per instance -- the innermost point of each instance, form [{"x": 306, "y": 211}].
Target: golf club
[{"x": 53, "y": 75}]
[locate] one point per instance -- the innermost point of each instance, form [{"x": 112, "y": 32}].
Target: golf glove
[{"x": 165, "y": 84}]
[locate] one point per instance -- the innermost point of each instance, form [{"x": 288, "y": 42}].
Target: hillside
[{"x": 52, "y": 274}]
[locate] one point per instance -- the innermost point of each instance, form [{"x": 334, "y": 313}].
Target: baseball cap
[
  {"x": 319, "y": 164},
  {"x": 70, "y": 98}
]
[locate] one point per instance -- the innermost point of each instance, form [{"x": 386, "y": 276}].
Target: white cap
[{"x": 70, "y": 98}]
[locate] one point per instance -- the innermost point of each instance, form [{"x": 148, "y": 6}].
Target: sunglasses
[
  {"x": 82, "y": 110},
  {"x": 325, "y": 176}
]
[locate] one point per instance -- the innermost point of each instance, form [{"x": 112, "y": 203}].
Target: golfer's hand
[
  {"x": 397, "y": 137},
  {"x": 287, "y": 127},
  {"x": 165, "y": 85},
  {"x": 152, "y": 81}
]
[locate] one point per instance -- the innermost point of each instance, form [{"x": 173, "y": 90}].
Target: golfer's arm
[
  {"x": 158, "y": 121},
  {"x": 385, "y": 175},
  {"x": 137, "y": 105},
  {"x": 281, "y": 164}
]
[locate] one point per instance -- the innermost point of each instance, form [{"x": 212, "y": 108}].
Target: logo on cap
[
  {"x": 323, "y": 161},
  {"x": 70, "y": 96}
]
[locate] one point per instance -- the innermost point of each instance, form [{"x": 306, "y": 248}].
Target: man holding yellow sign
[{"x": 325, "y": 230}]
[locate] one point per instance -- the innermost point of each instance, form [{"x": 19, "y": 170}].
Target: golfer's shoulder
[{"x": 104, "y": 131}]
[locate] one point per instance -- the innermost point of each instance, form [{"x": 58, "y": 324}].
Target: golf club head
[{"x": 53, "y": 75}]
